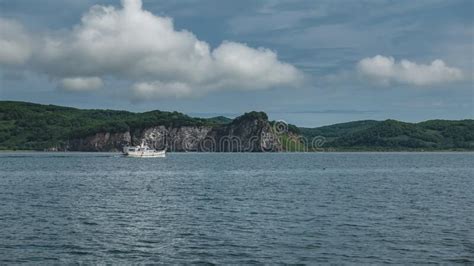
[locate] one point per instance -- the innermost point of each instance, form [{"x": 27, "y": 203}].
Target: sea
[{"x": 237, "y": 208}]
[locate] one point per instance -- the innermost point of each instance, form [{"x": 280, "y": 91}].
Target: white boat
[{"x": 143, "y": 151}]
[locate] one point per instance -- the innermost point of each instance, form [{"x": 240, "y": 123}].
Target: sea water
[{"x": 237, "y": 208}]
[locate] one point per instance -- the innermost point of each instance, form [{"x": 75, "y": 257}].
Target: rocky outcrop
[
  {"x": 251, "y": 132},
  {"x": 104, "y": 141},
  {"x": 185, "y": 138}
]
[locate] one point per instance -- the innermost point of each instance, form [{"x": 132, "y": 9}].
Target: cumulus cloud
[
  {"x": 15, "y": 46},
  {"x": 158, "y": 89},
  {"x": 133, "y": 44},
  {"x": 386, "y": 70},
  {"x": 81, "y": 83}
]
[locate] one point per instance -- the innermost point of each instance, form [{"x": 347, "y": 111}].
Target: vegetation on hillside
[
  {"x": 250, "y": 116},
  {"x": 30, "y": 126},
  {"x": 396, "y": 135},
  {"x": 220, "y": 120},
  {"x": 334, "y": 131},
  {"x": 292, "y": 143}
]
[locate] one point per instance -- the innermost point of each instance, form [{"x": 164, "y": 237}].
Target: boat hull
[
  {"x": 141, "y": 152},
  {"x": 157, "y": 154}
]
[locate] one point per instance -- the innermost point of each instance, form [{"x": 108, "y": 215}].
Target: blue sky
[{"x": 310, "y": 63}]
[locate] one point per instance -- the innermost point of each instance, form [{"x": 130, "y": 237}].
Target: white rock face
[
  {"x": 175, "y": 139},
  {"x": 244, "y": 135}
]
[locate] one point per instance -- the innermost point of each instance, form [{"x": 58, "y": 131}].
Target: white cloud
[
  {"x": 386, "y": 70},
  {"x": 14, "y": 43},
  {"x": 249, "y": 68},
  {"x": 158, "y": 89},
  {"x": 135, "y": 45},
  {"x": 81, "y": 83}
]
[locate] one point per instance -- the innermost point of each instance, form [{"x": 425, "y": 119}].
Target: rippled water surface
[{"x": 237, "y": 208}]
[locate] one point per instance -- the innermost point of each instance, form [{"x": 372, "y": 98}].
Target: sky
[{"x": 308, "y": 62}]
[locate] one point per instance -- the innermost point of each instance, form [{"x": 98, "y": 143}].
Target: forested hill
[
  {"x": 29, "y": 126},
  {"x": 392, "y": 135}
]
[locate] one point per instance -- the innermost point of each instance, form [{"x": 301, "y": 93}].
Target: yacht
[{"x": 142, "y": 151}]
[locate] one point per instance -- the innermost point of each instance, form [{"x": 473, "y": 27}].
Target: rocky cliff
[
  {"x": 31, "y": 126},
  {"x": 251, "y": 132}
]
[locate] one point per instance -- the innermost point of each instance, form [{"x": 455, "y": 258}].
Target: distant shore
[
  {"x": 30, "y": 126},
  {"x": 286, "y": 152}
]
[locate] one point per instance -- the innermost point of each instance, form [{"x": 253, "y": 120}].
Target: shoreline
[{"x": 281, "y": 152}]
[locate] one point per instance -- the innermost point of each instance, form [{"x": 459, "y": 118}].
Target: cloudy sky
[{"x": 308, "y": 62}]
